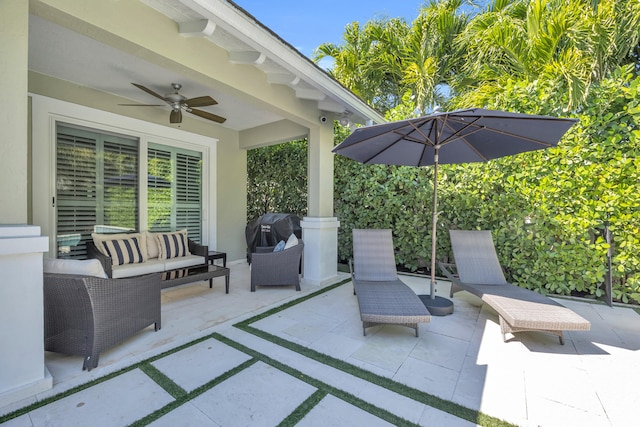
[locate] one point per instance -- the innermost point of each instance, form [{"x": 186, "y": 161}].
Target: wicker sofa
[
  {"x": 85, "y": 315},
  {"x": 149, "y": 256}
]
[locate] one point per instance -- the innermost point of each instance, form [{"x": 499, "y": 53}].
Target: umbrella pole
[
  {"x": 434, "y": 220},
  {"x": 437, "y": 306}
]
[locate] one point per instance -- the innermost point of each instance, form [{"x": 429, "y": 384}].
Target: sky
[{"x": 306, "y": 25}]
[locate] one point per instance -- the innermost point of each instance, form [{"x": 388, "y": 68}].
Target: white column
[
  {"x": 320, "y": 228},
  {"x": 22, "y": 370},
  {"x": 320, "y": 257}
]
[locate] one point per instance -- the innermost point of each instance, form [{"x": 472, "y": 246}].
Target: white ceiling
[
  {"x": 59, "y": 52},
  {"x": 64, "y": 54}
]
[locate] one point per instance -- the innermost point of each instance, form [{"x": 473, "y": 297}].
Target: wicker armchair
[
  {"x": 85, "y": 315},
  {"x": 276, "y": 268}
]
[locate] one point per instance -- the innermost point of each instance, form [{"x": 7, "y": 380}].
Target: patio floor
[{"x": 275, "y": 369}]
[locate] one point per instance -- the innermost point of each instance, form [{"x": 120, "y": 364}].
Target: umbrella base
[{"x": 437, "y": 306}]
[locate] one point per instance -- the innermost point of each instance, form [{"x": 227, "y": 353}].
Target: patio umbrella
[{"x": 462, "y": 136}]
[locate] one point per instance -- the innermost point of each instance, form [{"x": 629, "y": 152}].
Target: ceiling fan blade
[
  {"x": 175, "y": 116},
  {"x": 207, "y": 115},
  {"x": 143, "y": 105},
  {"x": 149, "y": 91},
  {"x": 200, "y": 101}
]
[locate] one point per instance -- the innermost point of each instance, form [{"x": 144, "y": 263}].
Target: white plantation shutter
[
  {"x": 189, "y": 194},
  {"x": 96, "y": 186},
  {"x": 159, "y": 193},
  {"x": 175, "y": 190}
]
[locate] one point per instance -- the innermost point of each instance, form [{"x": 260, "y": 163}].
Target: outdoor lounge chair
[
  {"x": 382, "y": 297},
  {"x": 519, "y": 309},
  {"x": 276, "y": 268}
]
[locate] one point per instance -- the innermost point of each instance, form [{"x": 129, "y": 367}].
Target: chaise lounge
[
  {"x": 382, "y": 297},
  {"x": 519, "y": 309}
]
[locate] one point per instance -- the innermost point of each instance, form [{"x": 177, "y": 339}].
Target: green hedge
[
  {"x": 277, "y": 179},
  {"x": 547, "y": 209}
]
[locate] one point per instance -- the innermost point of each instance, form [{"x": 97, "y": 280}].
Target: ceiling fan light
[{"x": 175, "y": 116}]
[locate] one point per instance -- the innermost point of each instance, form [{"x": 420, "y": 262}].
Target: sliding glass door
[{"x": 98, "y": 187}]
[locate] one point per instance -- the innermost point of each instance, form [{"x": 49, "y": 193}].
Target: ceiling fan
[{"x": 178, "y": 102}]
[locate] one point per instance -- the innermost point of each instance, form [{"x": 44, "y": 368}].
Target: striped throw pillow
[
  {"x": 124, "y": 251},
  {"x": 173, "y": 245}
]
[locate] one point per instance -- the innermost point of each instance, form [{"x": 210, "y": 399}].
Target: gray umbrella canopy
[{"x": 462, "y": 136}]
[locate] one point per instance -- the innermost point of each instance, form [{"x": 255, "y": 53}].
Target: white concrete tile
[
  {"x": 118, "y": 401},
  {"x": 333, "y": 412},
  {"x": 575, "y": 390},
  {"x": 310, "y": 328},
  {"x": 275, "y": 324},
  {"x": 258, "y": 396},
  {"x": 546, "y": 412},
  {"x": 470, "y": 386},
  {"x": 186, "y": 415},
  {"x": 335, "y": 345},
  {"x": 4, "y": 410},
  {"x": 504, "y": 392},
  {"x": 435, "y": 417},
  {"x": 21, "y": 421},
  {"x": 427, "y": 377},
  {"x": 197, "y": 365},
  {"x": 397, "y": 404},
  {"x": 388, "y": 348},
  {"x": 441, "y": 350}
]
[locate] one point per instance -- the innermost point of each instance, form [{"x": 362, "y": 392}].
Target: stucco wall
[{"x": 14, "y": 29}]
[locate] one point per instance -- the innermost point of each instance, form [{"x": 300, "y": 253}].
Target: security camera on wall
[{"x": 324, "y": 119}]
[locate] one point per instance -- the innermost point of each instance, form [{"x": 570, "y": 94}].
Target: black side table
[{"x": 213, "y": 255}]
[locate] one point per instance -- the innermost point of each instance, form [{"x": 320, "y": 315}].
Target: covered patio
[
  {"x": 69, "y": 66},
  {"x": 277, "y": 354},
  {"x": 232, "y": 359}
]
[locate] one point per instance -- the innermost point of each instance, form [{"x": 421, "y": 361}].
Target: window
[
  {"x": 96, "y": 186},
  {"x": 175, "y": 190}
]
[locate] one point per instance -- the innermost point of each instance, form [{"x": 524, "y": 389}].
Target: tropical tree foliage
[
  {"x": 568, "y": 44},
  {"x": 367, "y": 62}
]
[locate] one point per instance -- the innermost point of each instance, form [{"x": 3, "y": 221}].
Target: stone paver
[
  {"x": 333, "y": 412},
  {"x": 115, "y": 402},
  {"x": 530, "y": 380},
  {"x": 257, "y": 396},
  {"x": 196, "y": 365}
]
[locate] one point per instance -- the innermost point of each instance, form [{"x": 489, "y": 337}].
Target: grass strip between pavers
[
  {"x": 303, "y": 409},
  {"x": 448, "y": 406},
  {"x": 163, "y": 381},
  {"x": 26, "y": 409},
  {"x": 190, "y": 395},
  {"x": 329, "y": 389}
]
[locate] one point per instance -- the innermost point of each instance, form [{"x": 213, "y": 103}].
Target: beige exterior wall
[{"x": 14, "y": 30}]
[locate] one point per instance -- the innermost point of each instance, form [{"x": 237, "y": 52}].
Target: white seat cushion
[
  {"x": 128, "y": 270},
  {"x": 84, "y": 267},
  {"x": 185, "y": 261}
]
